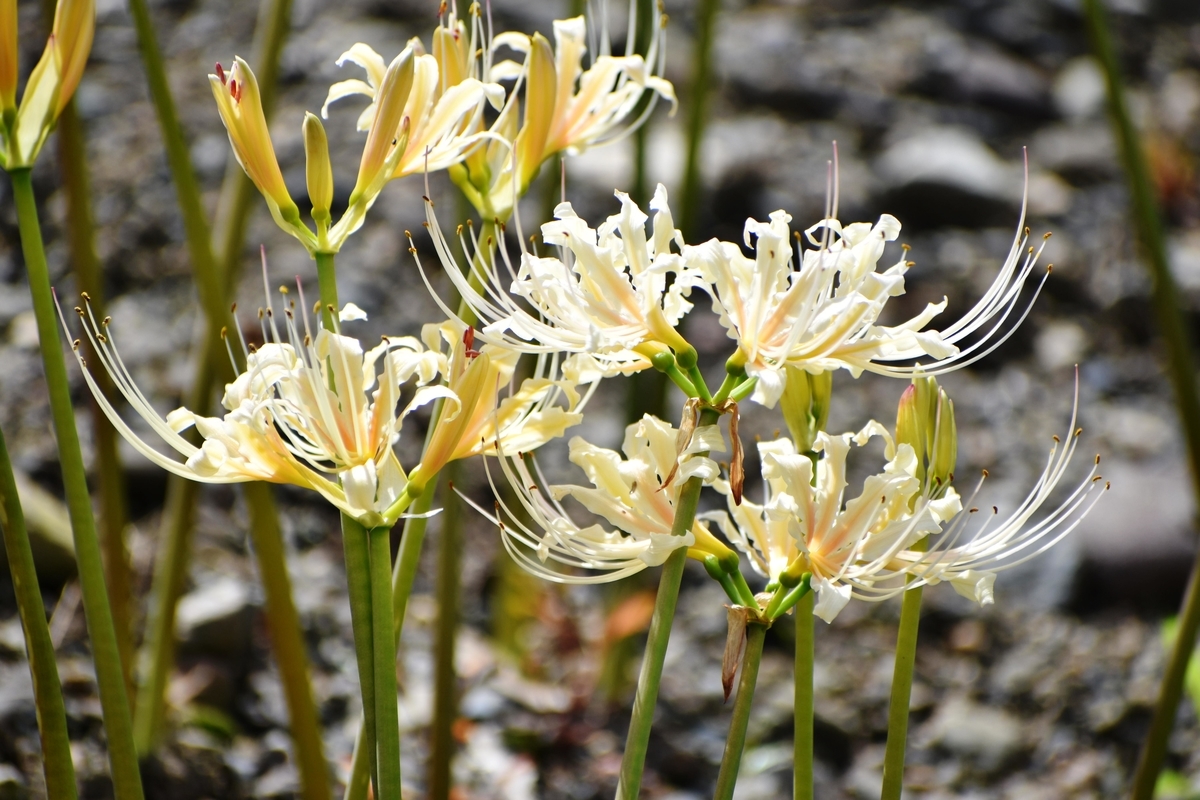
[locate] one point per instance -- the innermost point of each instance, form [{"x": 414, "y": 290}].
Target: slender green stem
[
  {"x": 637, "y": 742},
  {"x": 445, "y": 687},
  {"x": 47, "y": 690},
  {"x": 170, "y": 572},
  {"x": 802, "y": 757},
  {"x": 387, "y": 718},
  {"x": 110, "y": 475},
  {"x": 902, "y": 679},
  {"x": 735, "y": 743},
  {"x": 284, "y": 624},
  {"x": 1181, "y": 367},
  {"x": 110, "y": 676},
  {"x": 701, "y": 80},
  {"x": 327, "y": 280},
  {"x": 356, "y": 546}
]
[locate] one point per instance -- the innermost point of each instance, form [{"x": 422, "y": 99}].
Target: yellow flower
[{"x": 50, "y": 85}]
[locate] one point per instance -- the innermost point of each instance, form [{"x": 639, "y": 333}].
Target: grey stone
[
  {"x": 217, "y": 617},
  {"x": 986, "y": 736}
]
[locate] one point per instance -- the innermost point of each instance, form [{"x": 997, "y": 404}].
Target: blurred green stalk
[
  {"x": 1181, "y": 368},
  {"x": 109, "y": 472},
  {"x": 114, "y": 702},
  {"x": 803, "y": 707},
  {"x": 214, "y": 282},
  {"x": 701, "y": 83},
  {"x": 902, "y": 679},
  {"x": 735, "y": 743},
  {"x": 47, "y": 689}
]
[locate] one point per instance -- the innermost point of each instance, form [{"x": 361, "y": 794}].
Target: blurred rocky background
[{"x": 933, "y": 106}]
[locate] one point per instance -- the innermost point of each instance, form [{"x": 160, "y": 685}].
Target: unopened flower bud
[
  {"x": 382, "y": 147},
  {"x": 8, "y": 58},
  {"x": 925, "y": 422},
  {"x": 805, "y": 405},
  {"x": 240, "y": 106},
  {"x": 318, "y": 170},
  {"x": 540, "y": 97},
  {"x": 74, "y": 27}
]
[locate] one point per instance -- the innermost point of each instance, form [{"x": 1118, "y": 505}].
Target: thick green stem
[
  {"x": 387, "y": 717},
  {"x": 902, "y": 678},
  {"x": 110, "y": 475},
  {"x": 735, "y": 743},
  {"x": 327, "y": 281},
  {"x": 445, "y": 687},
  {"x": 283, "y": 622},
  {"x": 47, "y": 690},
  {"x": 403, "y": 577},
  {"x": 637, "y": 742},
  {"x": 356, "y": 546},
  {"x": 110, "y": 676},
  {"x": 701, "y": 80},
  {"x": 802, "y": 757},
  {"x": 1181, "y": 368}
]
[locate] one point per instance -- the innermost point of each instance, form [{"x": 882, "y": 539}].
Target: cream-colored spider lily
[
  {"x": 823, "y": 316},
  {"x": 843, "y": 543},
  {"x": 313, "y": 410},
  {"x": 566, "y": 108},
  {"x": 606, "y": 303},
  {"x": 412, "y": 125},
  {"x": 541, "y": 535},
  {"x": 50, "y": 85}
]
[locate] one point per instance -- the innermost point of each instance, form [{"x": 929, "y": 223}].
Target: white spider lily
[
  {"x": 823, "y": 316},
  {"x": 863, "y": 548},
  {"x": 626, "y": 492},
  {"x": 313, "y": 411},
  {"x": 608, "y": 301},
  {"x": 809, "y": 520},
  {"x": 566, "y": 108}
]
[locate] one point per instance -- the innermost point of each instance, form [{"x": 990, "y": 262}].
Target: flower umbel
[
  {"x": 311, "y": 410},
  {"x": 823, "y": 315},
  {"x": 606, "y": 300}
]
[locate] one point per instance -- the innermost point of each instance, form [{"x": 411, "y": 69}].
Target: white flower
[
  {"x": 823, "y": 316},
  {"x": 844, "y": 544},
  {"x": 864, "y": 548},
  {"x": 606, "y": 300},
  {"x": 627, "y": 493}
]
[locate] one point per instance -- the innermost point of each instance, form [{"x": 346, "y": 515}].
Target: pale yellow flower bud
[
  {"x": 318, "y": 170},
  {"x": 8, "y": 57},
  {"x": 240, "y": 106},
  {"x": 540, "y": 98},
  {"x": 476, "y": 385},
  {"x": 450, "y": 50},
  {"x": 382, "y": 147},
  {"x": 74, "y": 27}
]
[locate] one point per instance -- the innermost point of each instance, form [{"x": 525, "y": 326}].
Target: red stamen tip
[{"x": 221, "y": 73}]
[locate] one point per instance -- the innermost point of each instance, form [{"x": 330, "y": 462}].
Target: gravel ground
[{"x": 1046, "y": 694}]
